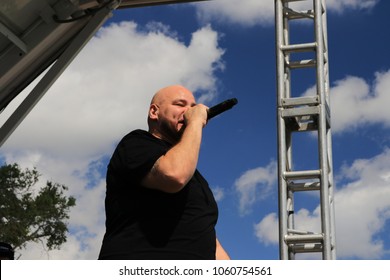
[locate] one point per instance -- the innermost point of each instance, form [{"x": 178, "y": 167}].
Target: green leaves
[{"x": 29, "y": 213}]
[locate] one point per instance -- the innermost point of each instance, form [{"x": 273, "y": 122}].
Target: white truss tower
[{"x": 306, "y": 116}]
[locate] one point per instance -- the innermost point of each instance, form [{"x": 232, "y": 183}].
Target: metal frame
[
  {"x": 304, "y": 115},
  {"x": 50, "y": 32},
  {"x": 54, "y": 72}
]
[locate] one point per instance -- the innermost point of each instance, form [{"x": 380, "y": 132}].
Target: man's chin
[{"x": 180, "y": 129}]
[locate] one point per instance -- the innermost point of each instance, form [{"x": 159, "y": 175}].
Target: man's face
[{"x": 171, "y": 108}]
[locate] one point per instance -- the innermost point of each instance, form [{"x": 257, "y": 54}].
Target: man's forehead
[
  {"x": 174, "y": 93},
  {"x": 185, "y": 100},
  {"x": 179, "y": 95}
]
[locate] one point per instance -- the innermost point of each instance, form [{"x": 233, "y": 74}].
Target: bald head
[
  {"x": 169, "y": 93},
  {"x": 166, "y": 112}
]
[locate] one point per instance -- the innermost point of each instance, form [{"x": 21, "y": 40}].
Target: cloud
[
  {"x": 254, "y": 185},
  {"x": 341, "y": 5},
  {"x": 354, "y": 102},
  {"x": 362, "y": 208},
  {"x": 254, "y": 12},
  {"x": 369, "y": 103},
  {"x": 104, "y": 94},
  {"x": 338, "y": 6},
  {"x": 218, "y": 193},
  {"x": 107, "y": 89},
  {"x": 267, "y": 230},
  {"x": 244, "y": 12}
]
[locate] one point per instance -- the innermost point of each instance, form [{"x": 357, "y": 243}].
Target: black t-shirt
[{"x": 142, "y": 223}]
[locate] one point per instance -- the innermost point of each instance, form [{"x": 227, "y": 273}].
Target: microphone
[{"x": 221, "y": 107}]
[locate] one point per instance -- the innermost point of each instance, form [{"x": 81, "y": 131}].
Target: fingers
[{"x": 197, "y": 113}]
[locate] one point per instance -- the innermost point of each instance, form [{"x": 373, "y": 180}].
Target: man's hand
[{"x": 197, "y": 113}]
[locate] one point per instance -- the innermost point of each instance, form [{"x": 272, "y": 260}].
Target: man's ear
[{"x": 153, "y": 111}]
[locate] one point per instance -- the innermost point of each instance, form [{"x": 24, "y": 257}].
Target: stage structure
[
  {"x": 303, "y": 115},
  {"x": 37, "y": 34},
  {"x": 46, "y": 35}
]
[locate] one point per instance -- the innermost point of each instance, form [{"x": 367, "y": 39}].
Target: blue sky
[{"x": 220, "y": 49}]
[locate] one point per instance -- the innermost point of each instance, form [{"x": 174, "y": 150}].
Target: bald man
[{"x": 158, "y": 205}]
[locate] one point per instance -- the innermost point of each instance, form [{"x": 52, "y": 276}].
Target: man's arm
[
  {"x": 220, "y": 253},
  {"x": 172, "y": 171}
]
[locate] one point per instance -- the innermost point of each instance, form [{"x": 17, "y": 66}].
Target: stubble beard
[{"x": 171, "y": 134}]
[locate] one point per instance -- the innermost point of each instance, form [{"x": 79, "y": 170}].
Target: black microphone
[{"x": 221, "y": 107}]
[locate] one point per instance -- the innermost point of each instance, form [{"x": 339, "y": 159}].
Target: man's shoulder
[
  {"x": 139, "y": 135},
  {"x": 139, "y": 132}
]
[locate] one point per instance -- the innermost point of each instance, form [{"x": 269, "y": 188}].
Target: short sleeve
[{"x": 136, "y": 154}]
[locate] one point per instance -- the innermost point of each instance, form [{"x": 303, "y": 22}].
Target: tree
[{"x": 29, "y": 213}]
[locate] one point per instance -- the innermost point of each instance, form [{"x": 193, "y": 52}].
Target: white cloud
[
  {"x": 341, "y": 5},
  {"x": 354, "y": 102},
  {"x": 255, "y": 12},
  {"x": 362, "y": 208},
  {"x": 104, "y": 94},
  {"x": 243, "y": 12},
  {"x": 218, "y": 193},
  {"x": 107, "y": 90},
  {"x": 267, "y": 230},
  {"x": 338, "y": 6},
  {"x": 254, "y": 185}
]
